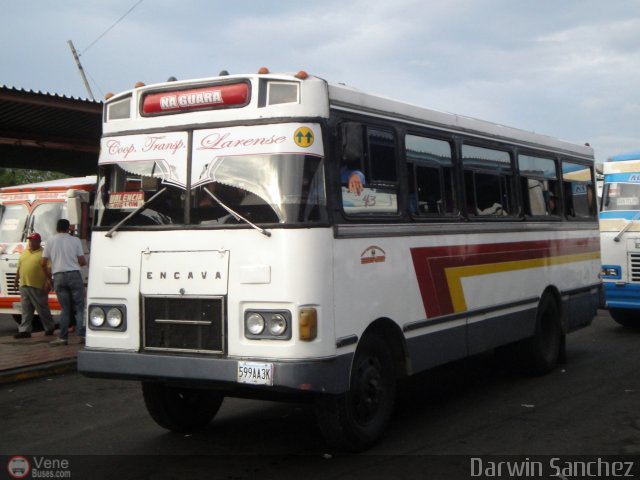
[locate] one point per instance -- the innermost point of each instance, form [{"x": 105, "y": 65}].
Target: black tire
[
  {"x": 540, "y": 353},
  {"x": 357, "y": 419},
  {"x": 180, "y": 409},
  {"x": 625, "y": 317}
]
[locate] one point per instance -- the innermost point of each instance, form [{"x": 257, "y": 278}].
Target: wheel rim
[{"x": 369, "y": 390}]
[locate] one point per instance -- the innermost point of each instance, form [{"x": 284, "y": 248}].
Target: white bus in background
[
  {"x": 229, "y": 258},
  {"x": 36, "y": 207},
  {"x": 620, "y": 238}
]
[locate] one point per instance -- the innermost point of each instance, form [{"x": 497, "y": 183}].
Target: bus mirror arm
[
  {"x": 136, "y": 211},
  {"x": 626, "y": 227}
]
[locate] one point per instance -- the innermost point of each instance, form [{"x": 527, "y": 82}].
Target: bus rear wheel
[
  {"x": 540, "y": 353},
  {"x": 357, "y": 419},
  {"x": 180, "y": 409},
  {"x": 625, "y": 317}
]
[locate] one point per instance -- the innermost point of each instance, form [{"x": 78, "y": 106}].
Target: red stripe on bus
[{"x": 430, "y": 263}]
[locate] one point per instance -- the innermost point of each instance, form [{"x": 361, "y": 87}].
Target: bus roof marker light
[
  {"x": 302, "y": 75},
  {"x": 263, "y": 71},
  {"x": 108, "y": 95},
  {"x": 139, "y": 84}
]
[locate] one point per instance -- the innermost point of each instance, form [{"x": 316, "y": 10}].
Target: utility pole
[{"x": 84, "y": 77}]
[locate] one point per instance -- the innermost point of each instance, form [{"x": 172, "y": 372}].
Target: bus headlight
[
  {"x": 114, "y": 318},
  {"x": 277, "y": 324},
  {"x": 267, "y": 324},
  {"x": 96, "y": 317},
  {"x": 108, "y": 317},
  {"x": 255, "y": 324}
]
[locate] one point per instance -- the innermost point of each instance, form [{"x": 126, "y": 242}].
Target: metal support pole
[{"x": 84, "y": 77}]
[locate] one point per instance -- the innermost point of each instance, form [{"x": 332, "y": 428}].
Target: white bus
[
  {"x": 37, "y": 207},
  {"x": 620, "y": 238},
  {"x": 230, "y": 259}
]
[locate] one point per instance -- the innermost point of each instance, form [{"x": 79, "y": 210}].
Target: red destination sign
[{"x": 196, "y": 99}]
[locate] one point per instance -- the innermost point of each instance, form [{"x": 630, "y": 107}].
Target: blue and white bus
[{"x": 620, "y": 237}]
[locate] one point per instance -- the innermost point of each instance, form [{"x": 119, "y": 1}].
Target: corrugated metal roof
[{"x": 46, "y": 131}]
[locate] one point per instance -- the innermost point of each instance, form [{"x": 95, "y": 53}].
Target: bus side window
[
  {"x": 376, "y": 171},
  {"x": 488, "y": 181},
  {"x": 430, "y": 169},
  {"x": 538, "y": 177},
  {"x": 579, "y": 198}
]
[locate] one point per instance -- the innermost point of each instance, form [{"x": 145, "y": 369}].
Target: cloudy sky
[{"x": 566, "y": 68}]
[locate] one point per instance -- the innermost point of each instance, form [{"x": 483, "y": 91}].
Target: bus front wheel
[
  {"x": 180, "y": 409},
  {"x": 355, "y": 420},
  {"x": 625, "y": 317}
]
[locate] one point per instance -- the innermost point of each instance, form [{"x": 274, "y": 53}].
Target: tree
[{"x": 10, "y": 177}]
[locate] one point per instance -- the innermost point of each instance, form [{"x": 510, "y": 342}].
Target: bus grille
[
  {"x": 10, "y": 278},
  {"x": 634, "y": 267},
  {"x": 183, "y": 324}
]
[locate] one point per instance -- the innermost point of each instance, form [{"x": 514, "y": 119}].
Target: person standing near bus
[
  {"x": 66, "y": 256},
  {"x": 34, "y": 289}
]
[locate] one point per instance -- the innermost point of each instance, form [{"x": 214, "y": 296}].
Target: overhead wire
[{"x": 111, "y": 27}]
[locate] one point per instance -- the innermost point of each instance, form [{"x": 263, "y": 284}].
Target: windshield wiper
[
  {"x": 236, "y": 215},
  {"x": 626, "y": 227},
  {"x": 135, "y": 212}
]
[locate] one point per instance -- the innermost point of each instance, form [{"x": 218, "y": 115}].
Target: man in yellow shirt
[{"x": 34, "y": 288}]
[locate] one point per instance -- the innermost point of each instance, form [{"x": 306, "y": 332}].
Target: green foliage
[{"x": 10, "y": 177}]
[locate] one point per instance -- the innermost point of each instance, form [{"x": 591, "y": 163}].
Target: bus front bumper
[
  {"x": 622, "y": 295},
  {"x": 318, "y": 375}
]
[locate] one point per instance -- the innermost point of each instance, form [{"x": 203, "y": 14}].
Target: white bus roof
[
  {"x": 315, "y": 91},
  {"x": 59, "y": 184},
  {"x": 350, "y": 99}
]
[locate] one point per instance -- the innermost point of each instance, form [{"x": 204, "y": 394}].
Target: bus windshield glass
[
  {"x": 45, "y": 217},
  {"x": 264, "y": 189},
  {"x": 12, "y": 222},
  {"x": 621, "y": 196},
  {"x": 263, "y": 174}
]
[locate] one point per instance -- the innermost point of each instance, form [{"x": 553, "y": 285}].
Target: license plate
[{"x": 255, "y": 373}]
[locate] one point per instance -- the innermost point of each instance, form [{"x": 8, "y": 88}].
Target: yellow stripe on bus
[{"x": 456, "y": 274}]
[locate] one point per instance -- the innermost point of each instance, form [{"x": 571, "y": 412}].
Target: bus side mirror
[
  {"x": 352, "y": 147},
  {"x": 75, "y": 199}
]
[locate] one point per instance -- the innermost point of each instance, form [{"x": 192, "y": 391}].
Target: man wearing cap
[
  {"x": 66, "y": 256},
  {"x": 34, "y": 288}
]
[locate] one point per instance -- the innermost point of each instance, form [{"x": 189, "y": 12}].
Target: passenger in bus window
[
  {"x": 353, "y": 179},
  {"x": 552, "y": 204}
]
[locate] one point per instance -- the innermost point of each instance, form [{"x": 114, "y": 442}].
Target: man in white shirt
[{"x": 65, "y": 253}]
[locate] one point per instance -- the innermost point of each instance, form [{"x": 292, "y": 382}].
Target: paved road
[{"x": 589, "y": 406}]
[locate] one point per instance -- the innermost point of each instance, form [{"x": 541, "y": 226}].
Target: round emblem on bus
[{"x": 303, "y": 137}]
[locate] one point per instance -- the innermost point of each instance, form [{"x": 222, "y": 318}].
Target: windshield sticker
[
  {"x": 303, "y": 137},
  {"x": 125, "y": 200},
  {"x": 157, "y": 155},
  {"x": 211, "y": 145}
]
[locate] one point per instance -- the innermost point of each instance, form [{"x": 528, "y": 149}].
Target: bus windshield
[
  {"x": 45, "y": 217},
  {"x": 13, "y": 219},
  {"x": 621, "y": 196},
  {"x": 262, "y": 188}
]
